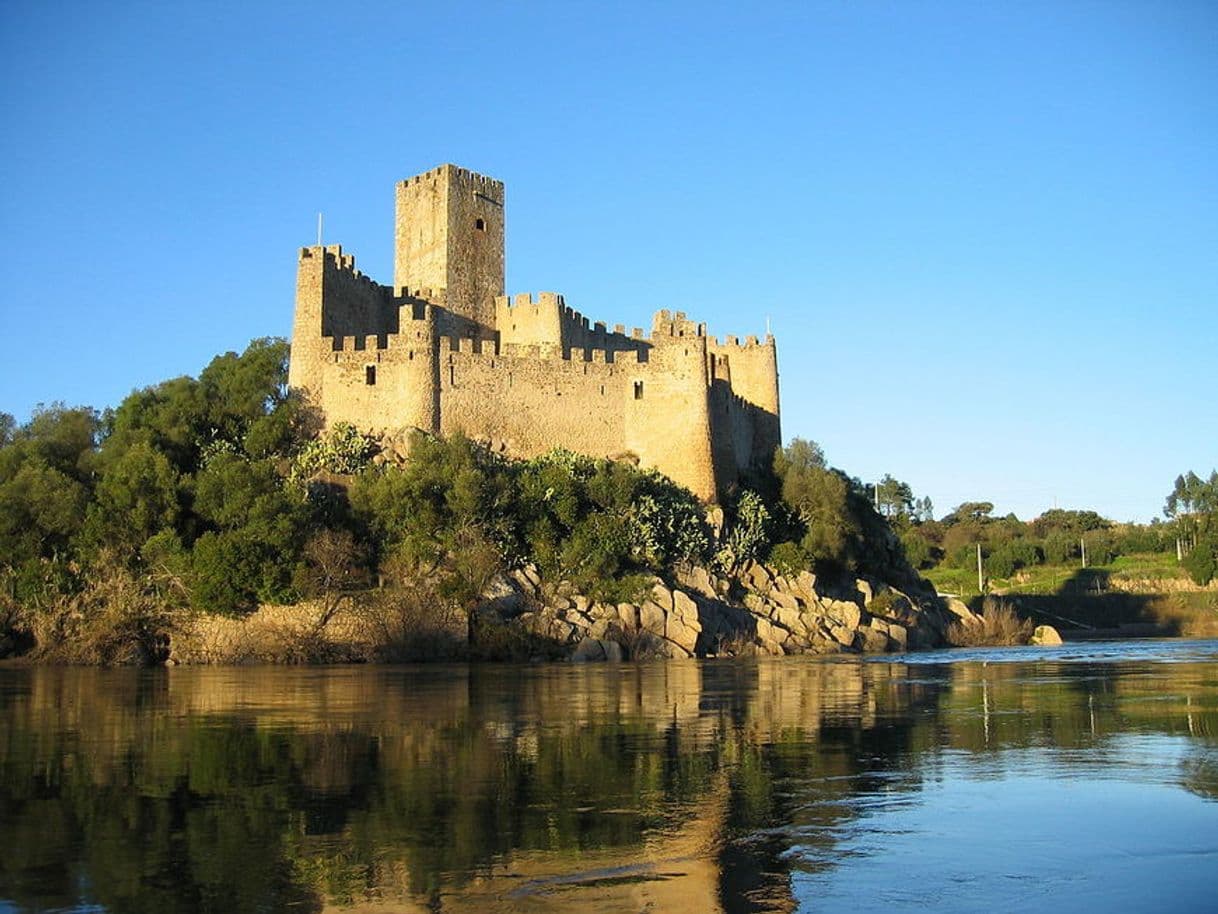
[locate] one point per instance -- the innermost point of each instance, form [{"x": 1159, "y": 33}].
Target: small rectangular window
[
  {"x": 369, "y": 375},
  {"x": 638, "y": 390}
]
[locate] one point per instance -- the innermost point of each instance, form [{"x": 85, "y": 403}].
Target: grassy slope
[{"x": 1143, "y": 589}]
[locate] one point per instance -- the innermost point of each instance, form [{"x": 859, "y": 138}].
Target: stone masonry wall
[{"x": 525, "y": 403}]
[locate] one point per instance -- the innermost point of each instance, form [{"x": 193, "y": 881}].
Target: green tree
[
  {"x": 893, "y": 498},
  {"x": 1073, "y": 523},
  {"x": 975, "y": 511},
  {"x": 820, "y": 499},
  {"x": 918, "y": 549},
  {"x": 1201, "y": 562},
  {"x": 1192, "y": 506},
  {"x": 41, "y": 510},
  {"x": 136, "y": 497}
]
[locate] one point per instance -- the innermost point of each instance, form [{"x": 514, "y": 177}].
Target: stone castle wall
[{"x": 444, "y": 351}]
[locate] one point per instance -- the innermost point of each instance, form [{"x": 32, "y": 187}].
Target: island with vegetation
[{"x": 210, "y": 519}]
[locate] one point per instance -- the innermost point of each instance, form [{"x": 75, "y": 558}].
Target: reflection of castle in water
[{"x": 523, "y": 789}]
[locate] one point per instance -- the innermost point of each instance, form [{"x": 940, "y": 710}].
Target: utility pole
[
  {"x": 1082, "y": 541},
  {"x": 980, "y": 578}
]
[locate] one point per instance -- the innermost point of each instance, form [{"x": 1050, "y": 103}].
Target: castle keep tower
[
  {"x": 448, "y": 230},
  {"x": 444, "y": 350}
]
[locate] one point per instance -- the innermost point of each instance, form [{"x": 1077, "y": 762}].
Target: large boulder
[
  {"x": 683, "y": 606},
  {"x": 805, "y": 586},
  {"x": 682, "y": 633},
  {"x": 699, "y": 580},
  {"x": 790, "y": 619},
  {"x": 843, "y": 612},
  {"x": 864, "y": 587},
  {"x": 870, "y": 639},
  {"x": 780, "y": 596},
  {"x": 757, "y": 577},
  {"x": 958, "y": 611},
  {"x": 590, "y": 650},
  {"x": 661, "y": 596},
  {"x": 652, "y": 617},
  {"x": 770, "y": 636},
  {"x": 1045, "y": 635}
]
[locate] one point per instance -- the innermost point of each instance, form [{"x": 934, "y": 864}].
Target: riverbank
[
  {"x": 520, "y": 617},
  {"x": 1132, "y": 597}
]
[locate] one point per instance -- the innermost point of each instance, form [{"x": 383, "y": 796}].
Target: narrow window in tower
[
  {"x": 480, "y": 225},
  {"x": 638, "y": 390},
  {"x": 369, "y": 375}
]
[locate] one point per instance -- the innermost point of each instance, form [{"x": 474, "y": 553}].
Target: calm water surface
[{"x": 1074, "y": 778}]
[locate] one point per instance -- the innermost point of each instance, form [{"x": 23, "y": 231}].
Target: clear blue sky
[{"x": 986, "y": 234}]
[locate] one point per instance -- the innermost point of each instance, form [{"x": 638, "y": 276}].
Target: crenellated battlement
[
  {"x": 371, "y": 342},
  {"x": 428, "y": 296},
  {"x": 456, "y": 171},
  {"x": 733, "y": 342},
  {"x": 333, "y": 257},
  {"x": 468, "y": 345},
  {"x": 526, "y": 299},
  {"x": 667, "y": 325}
]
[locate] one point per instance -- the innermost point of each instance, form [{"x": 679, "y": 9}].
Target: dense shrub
[
  {"x": 1201, "y": 562},
  {"x": 1001, "y": 563},
  {"x": 748, "y": 524},
  {"x": 918, "y": 549},
  {"x": 1060, "y": 548},
  {"x": 344, "y": 450},
  {"x": 998, "y": 625},
  {"x": 788, "y": 558},
  {"x": 1011, "y": 556},
  {"x": 1135, "y": 538}
]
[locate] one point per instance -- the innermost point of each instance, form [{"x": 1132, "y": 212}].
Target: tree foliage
[{"x": 835, "y": 524}]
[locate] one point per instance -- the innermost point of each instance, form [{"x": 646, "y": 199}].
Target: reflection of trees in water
[{"x": 258, "y": 789}]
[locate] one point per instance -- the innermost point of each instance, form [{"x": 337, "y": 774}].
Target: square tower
[{"x": 449, "y": 235}]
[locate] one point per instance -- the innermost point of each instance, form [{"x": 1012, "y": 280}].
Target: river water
[{"x": 1082, "y": 777}]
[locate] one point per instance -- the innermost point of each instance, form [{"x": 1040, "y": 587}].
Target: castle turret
[{"x": 449, "y": 235}]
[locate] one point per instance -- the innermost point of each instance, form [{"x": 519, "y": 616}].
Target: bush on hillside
[
  {"x": 997, "y": 626},
  {"x": 1201, "y": 563}
]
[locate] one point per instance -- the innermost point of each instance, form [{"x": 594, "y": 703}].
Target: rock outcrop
[{"x": 700, "y": 614}]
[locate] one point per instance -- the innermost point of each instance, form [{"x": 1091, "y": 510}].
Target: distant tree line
[{"x": 1055, "y": 537}]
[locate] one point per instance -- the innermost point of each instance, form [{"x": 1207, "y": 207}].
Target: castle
[{"x": 444, "y": 350}]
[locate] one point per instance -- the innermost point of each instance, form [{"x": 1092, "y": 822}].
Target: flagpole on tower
[{"x": 319, "y": 229}]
